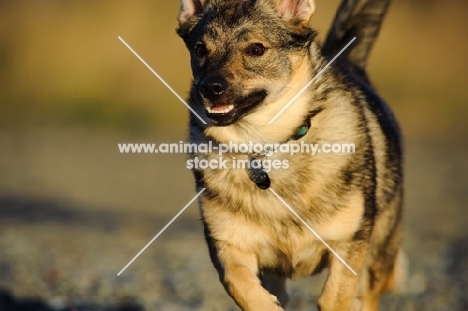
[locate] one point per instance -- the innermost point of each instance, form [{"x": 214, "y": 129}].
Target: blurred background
[{"x": 74, "y": 211}]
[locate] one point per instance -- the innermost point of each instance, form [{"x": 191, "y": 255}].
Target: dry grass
[{"x": 62, "y": 64}]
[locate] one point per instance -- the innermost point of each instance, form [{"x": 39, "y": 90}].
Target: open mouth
[
  {"x": 220, "y": 109},
  {"x": 224, "y": 115}
]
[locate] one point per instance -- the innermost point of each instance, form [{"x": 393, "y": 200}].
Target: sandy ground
[{"x": 74, "y": 212}]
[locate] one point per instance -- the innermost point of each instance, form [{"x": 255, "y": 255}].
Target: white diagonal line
[
  {"x": 310, "y": 82},
  {"x": 313, "y": 231},
  {"x": 160, "y": 232},
  {"x": 161, "y": 79}
]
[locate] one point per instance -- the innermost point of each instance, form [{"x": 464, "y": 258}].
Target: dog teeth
[{"x": 220, "y": 109}]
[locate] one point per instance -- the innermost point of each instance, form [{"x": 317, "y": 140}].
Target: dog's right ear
[
  {"x": 299, "y": 10},
  {"x": 189, "y": 9}
]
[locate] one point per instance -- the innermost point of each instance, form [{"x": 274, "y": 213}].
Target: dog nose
[{"x": 213, "y": 87}]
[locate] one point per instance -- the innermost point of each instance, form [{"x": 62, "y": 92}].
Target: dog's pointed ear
[
  {"x": 189, "y": 9},
  {"x": 300, "y": 10}
]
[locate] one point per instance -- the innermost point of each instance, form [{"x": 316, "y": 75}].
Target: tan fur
[{"x": 299, "y": 246}]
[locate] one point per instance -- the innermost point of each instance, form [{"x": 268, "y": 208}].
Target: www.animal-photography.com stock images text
[{"x": 224, "y": 155}]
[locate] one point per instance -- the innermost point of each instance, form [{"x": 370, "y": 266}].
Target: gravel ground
[{"x": 73, "y": 212}]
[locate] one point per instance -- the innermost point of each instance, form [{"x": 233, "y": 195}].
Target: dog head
[{"x": 244, "y": 53}]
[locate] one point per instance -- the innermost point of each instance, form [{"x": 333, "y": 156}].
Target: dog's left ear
[
  {"x": 301, "y": 10},
  {"x": 188, "y": 9}
]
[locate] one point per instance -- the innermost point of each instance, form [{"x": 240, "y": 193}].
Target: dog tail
[{"x": 360, "y": 19}]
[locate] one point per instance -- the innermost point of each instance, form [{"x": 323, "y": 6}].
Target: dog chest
[{"x": 265, "y": 227}]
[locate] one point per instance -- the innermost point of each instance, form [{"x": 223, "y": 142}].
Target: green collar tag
[{"x": 301, "y": 132}]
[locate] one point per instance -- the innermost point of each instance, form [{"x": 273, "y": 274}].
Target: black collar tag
[{"x": 258, "y": 174}]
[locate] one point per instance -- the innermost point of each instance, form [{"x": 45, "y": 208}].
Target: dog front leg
[
  {"x": 340, "y": 289},
  {"x": 238, "y": 273}
]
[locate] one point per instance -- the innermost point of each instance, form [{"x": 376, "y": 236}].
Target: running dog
[{"x": 250, "y": 59}]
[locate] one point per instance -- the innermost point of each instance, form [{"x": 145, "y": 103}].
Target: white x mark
[
  {"x": 160, "y": 232},
  {"x": 162, "y": 80},
  {"x": 313, "y": 231},
  {"x": 310, "y": 82}
]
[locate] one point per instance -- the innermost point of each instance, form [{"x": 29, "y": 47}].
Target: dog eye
[
  {"x": 200, "y": 50},
  {"x": 255, "y": 49}
]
